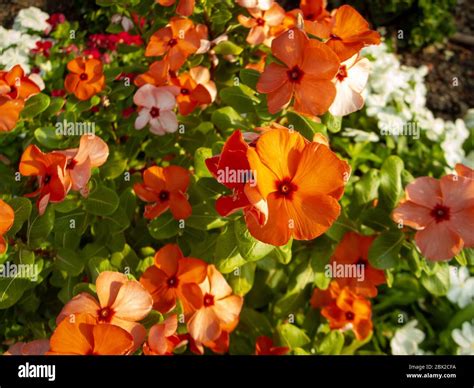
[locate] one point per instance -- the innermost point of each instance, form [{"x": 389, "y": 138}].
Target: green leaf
[
  {"x": 437, "y": 283},
  {"x": 200, "y": 156},
  {"x": 366, "y": 189},
  {"x": 241, "y": 280},
  {"x": 11, "y": 290},
  {"x": 35, "y": 105},
  {"x": 250, "y": 248},
  {"x": 227, "y": 47},
  {"x": 283, "y": 253},
  {"x": 307, "y": 127},
  {"x": 241, "y": 98},
  {"x": 47, "y": 137},
  {"x": 292, "y": 336},
  {"x": 40, "y": 227},
  {"x": 226, "y": 256},
  {"x": 205, "y": 217},
  {"x": 22, "y": 208},
  {"x": 390, "y": 182},
  {"x": 250, "y": 77},
  {"x": 226, "y": 118},
  {"x": 163, "y": 227},
  {"x": 102, "y": 201},
  {"x": 69, "y": 261},
  {"x": 332, "y": 344},
  {"x": 385, "y": 250},
  {"x": 333, "y": 123}
]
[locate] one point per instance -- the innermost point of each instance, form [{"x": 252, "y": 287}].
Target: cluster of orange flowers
[
  {"x": 110, "y": 324},
  {"x": 344, "y": 304},
  {"x": 15, "y": 89},
  {"x": 58, "y": 172}
]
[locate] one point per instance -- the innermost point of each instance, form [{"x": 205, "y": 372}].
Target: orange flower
[
  {"x": 33, "y": 348},
  {"x": 264, "y": 347},
  {"x": 84, "y": 336},
  {"x": 464, "y": 171},
  {"x": 301, "y": 181},
  {"x": 166, "y": 189},
  {"x": 176, "y": 42},
  {"x": 159, "y": 74},
  {"x": 217, "y": 309},
  {"x": 7, "y": 216},
  {"x": 314, "y": 10},
  {"x": 50, "y": 169},
  {"x": 162, "y": 338},
  {"x": 261, "y": 22},
  {"x": 184, "y": 8},
  {"x": 86, "y": 78},
  {"x": 348, "y": 33},
  {"x": 15, "y": 85},
  {"x": 15, "y": 89},
  {"x": 165, "y": 280},
  {"x": 322, "y": 298},
  {"x": 92, "y": 152},
  {"x": 350, "y": 310},
  {"x": 442, "y": 212},
  {"x": 122, "y": 302},
  {"x": 354, "y": 249},
  {"x": 195, "y": 89},
  {"x": 309, "y": 67}
]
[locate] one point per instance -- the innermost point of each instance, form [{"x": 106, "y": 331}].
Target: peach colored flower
[
  {"x": 442, "y": 212},
  {"x": 216, "y": 308},
  {"x": 33, "y": 348},
  {"x": 121, "y": 302},
  {"x": 261, "y": 22},
  {"x": 162, "y": 338}
]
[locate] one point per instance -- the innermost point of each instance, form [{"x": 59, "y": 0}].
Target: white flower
[
  {"x": 15, "y": 56},
  {"x": 127, "y": 24},
  {"x": 407, "y": 339},
  {"x": 461, "y": 290},
  {"x": 464, "y": 337},
  {"x": 9, "y": 38},
  {"x": 360, "y": 135},
  {"x": 32, "y": 18}
]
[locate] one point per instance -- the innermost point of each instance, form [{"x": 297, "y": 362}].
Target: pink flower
[
  {"x": 350, "y": 81},
  {"x": 442, "y": 212},
  {"x": 156, "y": 108},
  {"x": 263, "y": 5}
]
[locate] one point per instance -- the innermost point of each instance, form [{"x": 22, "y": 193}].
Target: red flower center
[
  {"x": 342, "y": 73},
  {"x": 164, "y": 195},
  {"x": 208, "y": 300},
  {"x": 185, "y": 91},
  {"x": 83, "y": 77},
  {"x": 349, "y": 315},
  {"x": 172, "y": 42},
  {"x": 333, "y": 36},
  {"x": 361, "y": 261},
  {"x": 71, "y": 164},
  {"x": 286, "y": 188},
  {"x": 13, "y": 92},
  {"x": 440, "y": 213},
  {"x": 154, "y": 112},
  {"x": 105, "y": 314},
  {"x": 260, "y": 22},
  {"x": 47, "y": 179},
  {"x": 172, "y": 282},
  {"x": 295, "y": 74}
]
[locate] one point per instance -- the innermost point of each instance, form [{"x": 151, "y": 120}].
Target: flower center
[
  {"x": 185, "y": 91},
  {"x": 295, "y": 74},
  {"x": 154, "y": 112},
  {"x": 342, "y": 73},
  {"x": 260, "y": 22},
  {"x": 349, "y": 315},
  {"x": 105, "y": 314},
  {"x": 361, "y": 261},
  {"x": 83, "y": 77},
  {"x": 47, "y": 179},
  {"x": 164, "y": 195},
  {"x": 71, "y": 164},
  {"x": 172, "y": 282},
  {"x": 333, "y": 36},
  {"x": 208, "y": 300},
  {"x": 172, "y": 42},
  {"x": 286, "y": 188},
  {"x": 440, "y": 213}
]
